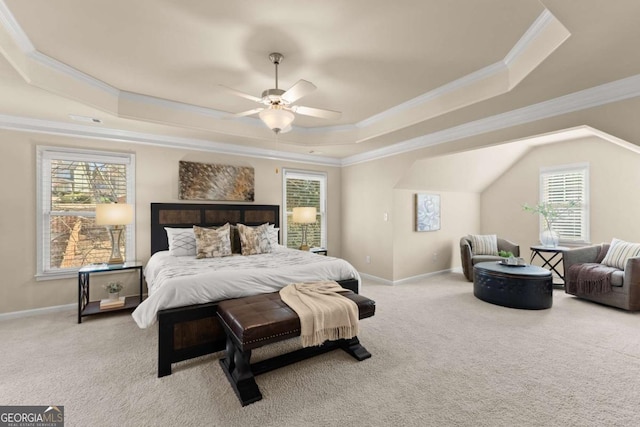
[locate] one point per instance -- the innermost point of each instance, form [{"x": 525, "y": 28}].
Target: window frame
[
  {"x": 320, "y": 176},
  {"x": 44, "y": 156},
  {"x": 583, "y": 168}
]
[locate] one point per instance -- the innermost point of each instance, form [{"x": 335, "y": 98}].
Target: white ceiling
[{"x": 396, "y": 70}]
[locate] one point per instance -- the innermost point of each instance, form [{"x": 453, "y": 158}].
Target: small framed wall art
[{"x": 427, "y": 212}]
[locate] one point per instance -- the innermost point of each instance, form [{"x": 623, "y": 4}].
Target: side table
[
  {"x": 550, "y": 256},
  {"x": 86, "y": 307},
  {"x": 319, "y": 251}
]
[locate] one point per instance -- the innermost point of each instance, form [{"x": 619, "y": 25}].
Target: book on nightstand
[{"x": 111, "y": 303}]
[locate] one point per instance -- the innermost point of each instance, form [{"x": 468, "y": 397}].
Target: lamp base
[
  {"x": 304, "y": 247},
  {"x": 115, "y": 232}
]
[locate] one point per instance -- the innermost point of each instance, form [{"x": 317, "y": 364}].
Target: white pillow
[
  {"x": 273, "y": 235},
  {"x": 182, "y": 241},
  {"x": 484, "y": 244},
  {"x": 619, "y": 252}
]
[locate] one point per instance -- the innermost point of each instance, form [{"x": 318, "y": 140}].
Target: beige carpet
[{"x": 441, "y": 357}]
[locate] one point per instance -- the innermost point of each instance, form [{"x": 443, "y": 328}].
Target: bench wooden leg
[
  {"x": 236, "y": 366},
  {"x": 355, "y": 349}
]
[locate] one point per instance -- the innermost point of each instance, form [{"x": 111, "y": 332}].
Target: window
[
  {"x": 307, "y": 189},
  {"x": 560, "y": 186},
  {"x": 70, "y": 183}
]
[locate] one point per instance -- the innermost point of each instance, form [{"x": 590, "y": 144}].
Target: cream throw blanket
[{"x": 324, "y": 313}]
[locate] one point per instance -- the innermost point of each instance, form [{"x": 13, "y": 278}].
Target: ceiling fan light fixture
[
  {"x": 279, "y": 112},
  {"x": 277, "y": 119}
]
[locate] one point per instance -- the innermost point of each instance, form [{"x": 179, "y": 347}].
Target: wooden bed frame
[{"x": 192, "y": 331}]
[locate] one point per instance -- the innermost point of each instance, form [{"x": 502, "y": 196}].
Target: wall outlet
[
  {"x": 385, "y": 217},
  {"x": 435, "y": 256},
  {"x": 367, "y": 259}
]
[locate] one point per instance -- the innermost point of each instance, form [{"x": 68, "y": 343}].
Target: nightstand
[
  {"x": 86, "y": 307},
  {"x": 319, "y": 251}
]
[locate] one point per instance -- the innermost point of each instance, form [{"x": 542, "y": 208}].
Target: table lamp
[
  {"x": 304, "y": 216},
  {"x": 114, "y": 216}
]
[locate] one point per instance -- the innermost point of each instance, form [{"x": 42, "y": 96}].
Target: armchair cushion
[
  {"x": 619, "y": 252},
  {"x": 484, "y": 244}
]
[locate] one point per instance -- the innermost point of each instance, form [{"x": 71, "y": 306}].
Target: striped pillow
[
  {"x": 619, "y": 252},
  {"x": 484, "y": 244}
]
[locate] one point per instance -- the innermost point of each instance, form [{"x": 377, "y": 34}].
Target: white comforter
[{"x": 180, "y": 281}]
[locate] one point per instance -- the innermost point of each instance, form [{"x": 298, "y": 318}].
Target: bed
[{"x": 192, "y": 330}]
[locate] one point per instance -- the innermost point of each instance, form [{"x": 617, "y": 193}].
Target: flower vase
[
  {"x": 549, "y": 238},
  {"x": 113, "y": 296}
]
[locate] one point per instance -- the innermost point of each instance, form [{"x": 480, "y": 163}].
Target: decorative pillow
[
  {"x": 619, "y": 252},
  {"x": 212, "y": 242},
  {"x": 182, "y": 241},
  {"x": 273, "y": 235},
  {"x": 484, "y": 244},
  {"x": 255, "y": 240}
]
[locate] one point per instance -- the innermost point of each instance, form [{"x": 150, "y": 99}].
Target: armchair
[
  {"x": 469, "y": 259},
  {"x": 625, "y": 284}
]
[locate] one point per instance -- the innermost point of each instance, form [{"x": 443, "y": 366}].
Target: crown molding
[
  {"x": 537, "y": 28},
  {"x": 588, "y": 98},
  {"x": 599, "y": 95},
  {"x": 9, "y": 22},
  {"x": 453, "y": 86},
  {"x": 65, "y": 69},
  {"x": 617, "y": 90},
  {"x": 49, "y": 127}
]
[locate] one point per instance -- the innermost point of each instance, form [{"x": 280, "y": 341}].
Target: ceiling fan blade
[
  {"x": 247, "y": 113},
  {"x": 316, "y": 112},
  {"x": 241, "y": 94},
  {"x": 298, "y": 90}
]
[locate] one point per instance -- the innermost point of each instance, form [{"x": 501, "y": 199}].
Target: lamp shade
[
  {"x": 114, "y": 214},
  {"x": 304, "y": 215},
  {"x": 276, "y": 119}
]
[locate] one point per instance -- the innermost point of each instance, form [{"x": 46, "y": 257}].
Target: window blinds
[
  {"x": 70, "y": 184},
  {"x": 561, "y": 187}
]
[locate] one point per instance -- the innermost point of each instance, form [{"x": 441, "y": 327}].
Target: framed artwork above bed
[{"x": 203, "y": 181}]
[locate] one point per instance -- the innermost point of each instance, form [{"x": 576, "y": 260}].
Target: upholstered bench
[{"x": 255, "y": 321}]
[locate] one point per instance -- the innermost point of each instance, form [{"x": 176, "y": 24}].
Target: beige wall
[
  {"x": 387, "y": 186},
  {"x": 477, "y": 196},
  {"x": 417, "y": 253},
  {"x": 614, "y": 178},
  {"x": 156, "y": 181},
  {"x": 359, "y": 197}
]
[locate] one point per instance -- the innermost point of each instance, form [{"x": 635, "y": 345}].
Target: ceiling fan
[{"x": 278, "y": 110}]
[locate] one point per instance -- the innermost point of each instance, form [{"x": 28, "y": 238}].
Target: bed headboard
[{"x": 205, "y": 215}]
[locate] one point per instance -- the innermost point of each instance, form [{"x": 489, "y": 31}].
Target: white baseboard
[
  {"x": 422, "y": 276},
  {"x": 409, "y": 279},
  {"x": 37, "y": 311},
  {"x": 376, "y": 279}
]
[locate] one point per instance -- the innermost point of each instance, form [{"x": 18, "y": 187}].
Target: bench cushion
[{"x": 262, "y": 319}]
